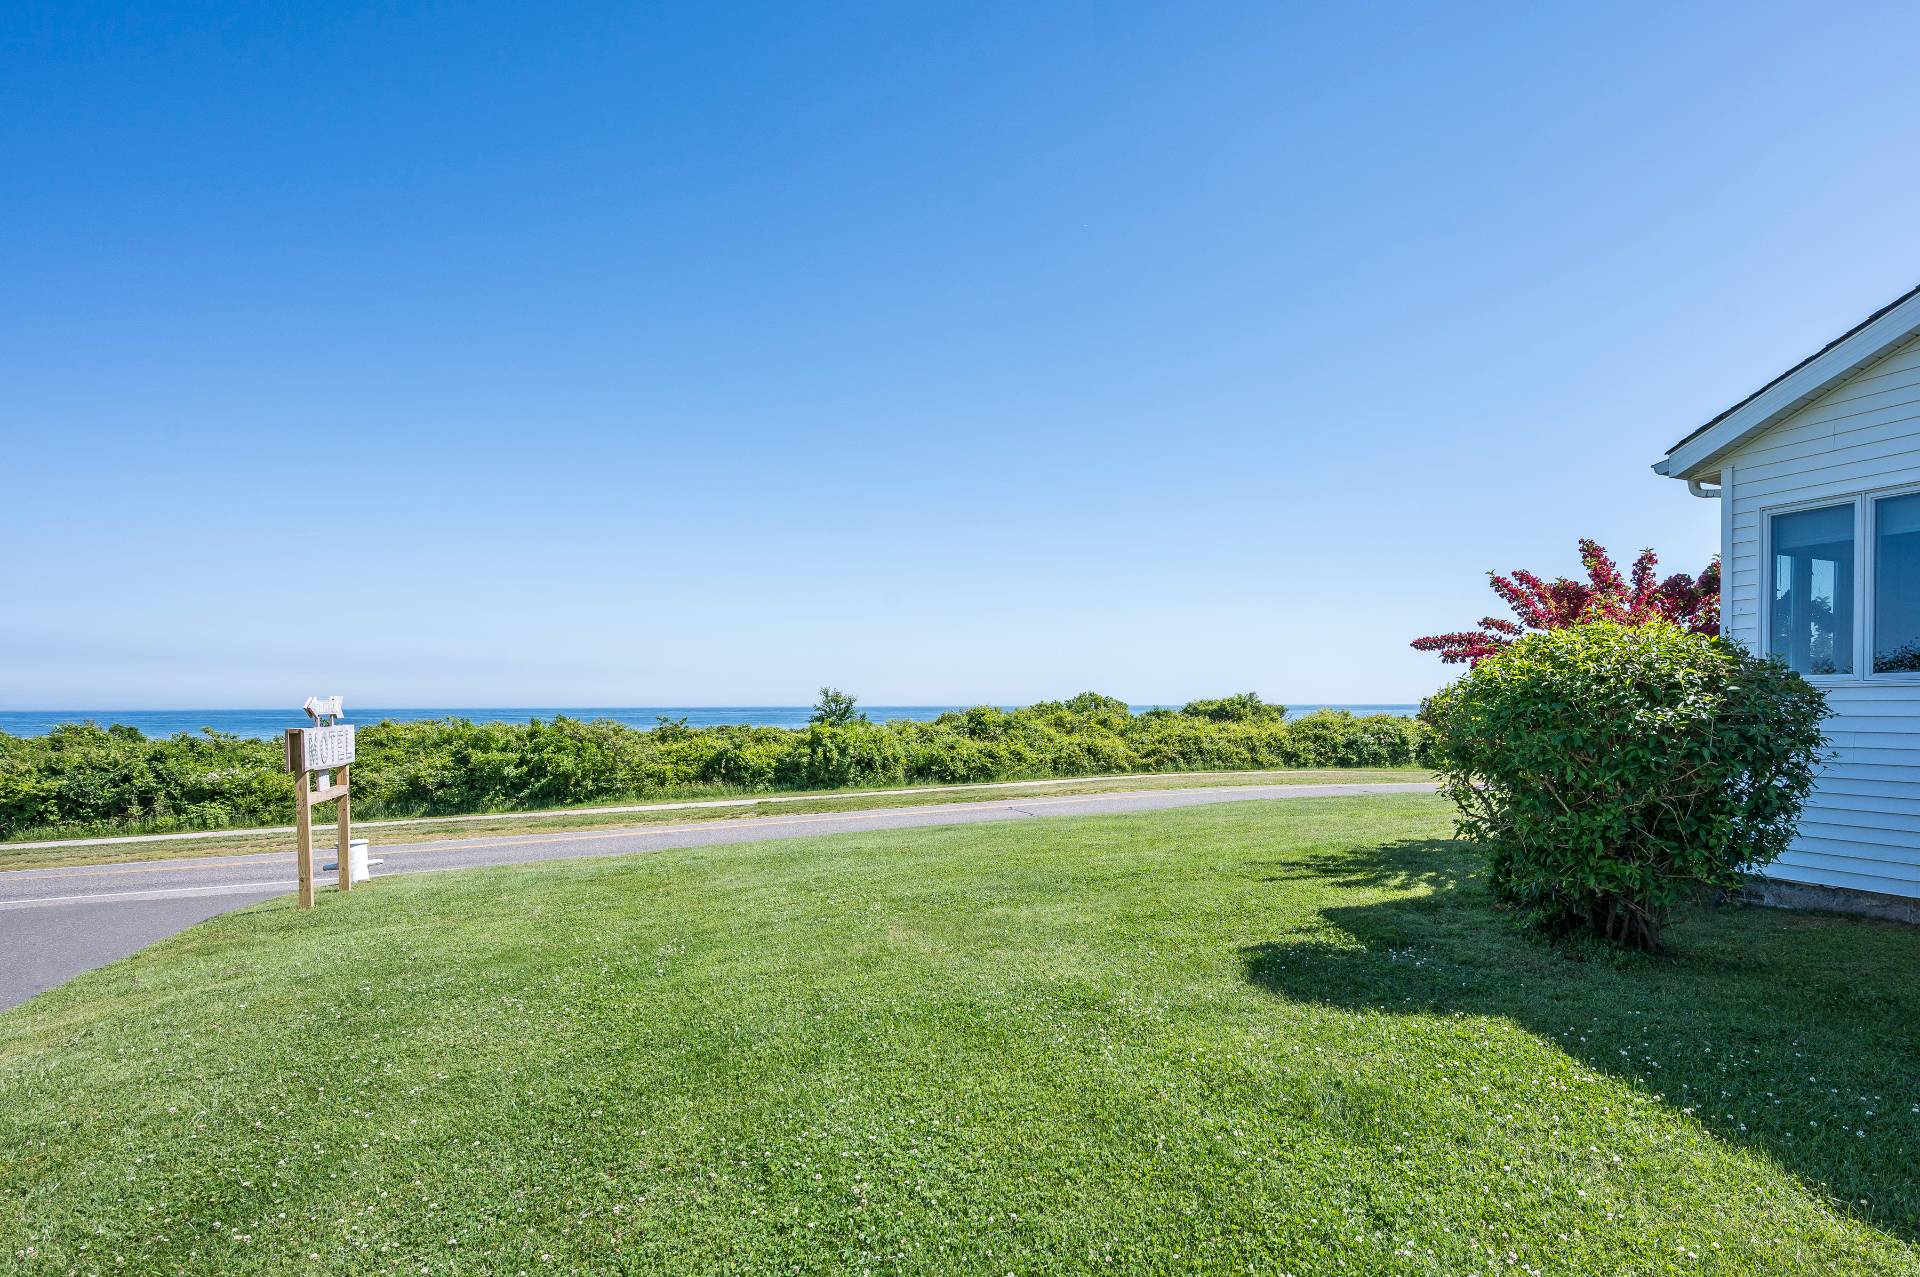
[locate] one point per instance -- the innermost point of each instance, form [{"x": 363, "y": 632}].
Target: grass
[
  {"x": 430, "y": 829},
  {"x": 1269, "y": 1037}
]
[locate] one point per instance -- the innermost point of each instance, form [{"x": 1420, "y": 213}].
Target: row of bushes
[{"x": 85, "y": 778}]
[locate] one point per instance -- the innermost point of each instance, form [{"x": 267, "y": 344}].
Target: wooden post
[
  {"x": 344, "y": 814},
  {"x": 302, "y": 820},
  {"x": 335, "y": 743}
]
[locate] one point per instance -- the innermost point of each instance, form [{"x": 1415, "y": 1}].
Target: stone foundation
[{"x": 1800, "y": 895}]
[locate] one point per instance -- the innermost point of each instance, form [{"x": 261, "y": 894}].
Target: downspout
[{"x": 1700, "y": 489}]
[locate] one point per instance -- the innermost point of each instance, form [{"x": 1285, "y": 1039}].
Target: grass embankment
[
  {"x": 1276, "y": 1037},
  {"x": 434, "y": 829}
]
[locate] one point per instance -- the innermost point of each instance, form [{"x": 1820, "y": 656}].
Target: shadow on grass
[{"x": 1793, "y": 1034}]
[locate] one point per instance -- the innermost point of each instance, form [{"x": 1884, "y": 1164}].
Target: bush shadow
[{"x": 1793, "y": 1034}]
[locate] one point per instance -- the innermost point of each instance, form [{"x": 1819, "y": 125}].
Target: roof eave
[
  {"x": 1707, "y": 471},
  {"x": 1698, "y": 455}
]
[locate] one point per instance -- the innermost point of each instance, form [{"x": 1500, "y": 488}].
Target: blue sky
[{"x": 705, "y": 354}]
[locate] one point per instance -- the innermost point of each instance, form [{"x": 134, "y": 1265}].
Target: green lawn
[{"x": 1284, "y": 1037}]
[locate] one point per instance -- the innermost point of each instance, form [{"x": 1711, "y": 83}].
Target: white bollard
[{"x": 357, "y": 860}]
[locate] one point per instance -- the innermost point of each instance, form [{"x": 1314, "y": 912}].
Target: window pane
[
  {"x": 1896, "y": 584},
  {"x": 1810, "y": 616}
]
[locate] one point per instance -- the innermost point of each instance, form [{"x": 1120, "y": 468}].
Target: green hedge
[{"x": 85, "y": 778}]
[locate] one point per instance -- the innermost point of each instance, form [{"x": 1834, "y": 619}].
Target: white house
[{"x": 1818, "y": 477}]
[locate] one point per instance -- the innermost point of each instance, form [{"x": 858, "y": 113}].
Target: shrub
[
  {"x": 951, "y": 759},
  {"x": 1693, "y": 603},
  {"x": 743, "y": 763},
  {"x": 1610, "y": 770},
  {"x": 858, "y": 753},
  {"x": 982, "y": 722},
  {"x": 1240, "y": 708},
  {"x": 1109, "y": 712}
]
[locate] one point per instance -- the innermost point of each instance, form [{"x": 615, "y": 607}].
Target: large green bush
[
  {"x": 84, "y": 778},
  {"x": 1611, "y": 770}
]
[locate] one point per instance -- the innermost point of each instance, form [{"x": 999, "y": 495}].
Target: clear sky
[{"x": 443, "y": 355}]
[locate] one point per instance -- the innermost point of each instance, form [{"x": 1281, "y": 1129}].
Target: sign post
[{"x": 320, "y": 751}]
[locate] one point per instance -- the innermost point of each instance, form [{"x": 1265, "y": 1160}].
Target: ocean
[{"x": 269, "y": 723}]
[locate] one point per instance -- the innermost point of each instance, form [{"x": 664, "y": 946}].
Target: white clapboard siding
[{"x": 1862, "y": 827}]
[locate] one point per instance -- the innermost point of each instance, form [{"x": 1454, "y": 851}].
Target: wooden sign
[
  {"x": 321, "y": 748},
  {"x": 325, "y": 708},
  {"x": 326, "y": 751}
]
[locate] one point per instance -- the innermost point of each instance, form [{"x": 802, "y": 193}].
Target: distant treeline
[{"x": 83, "y": 778}]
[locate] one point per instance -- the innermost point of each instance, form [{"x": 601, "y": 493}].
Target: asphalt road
[{"x": 58, "y": 923}]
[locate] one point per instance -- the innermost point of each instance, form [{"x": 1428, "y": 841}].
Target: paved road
[{"x": 57, "y": 923}]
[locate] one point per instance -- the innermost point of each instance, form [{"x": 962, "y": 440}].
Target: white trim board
[{"x": 1697, "y": 456}]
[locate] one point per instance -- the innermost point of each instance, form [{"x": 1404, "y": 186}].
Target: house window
[
  {"x": 1896, "y": 585},
  {"x": 1810, "y": 616}
]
